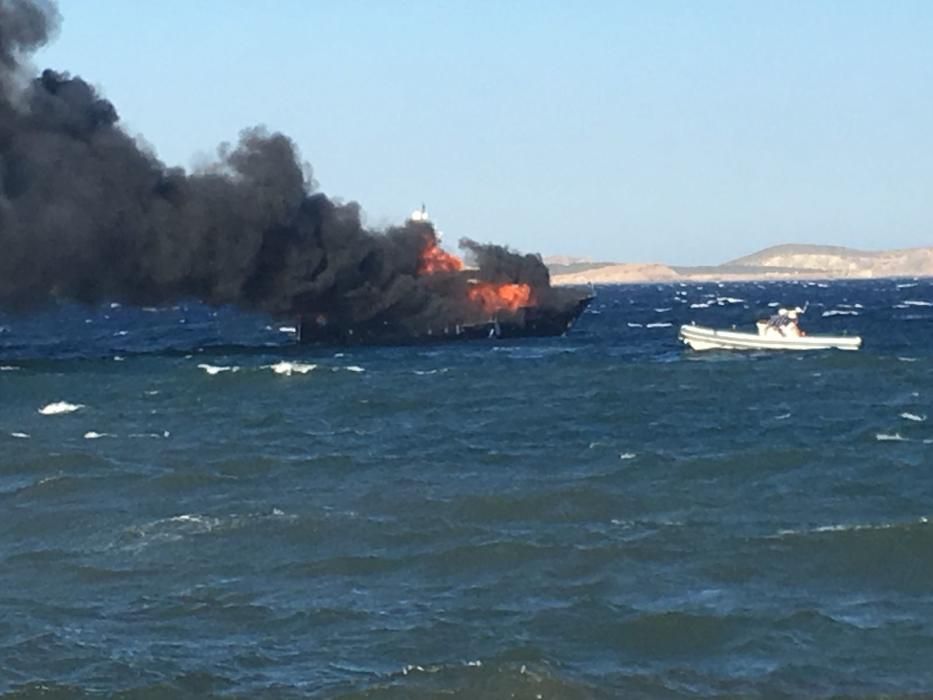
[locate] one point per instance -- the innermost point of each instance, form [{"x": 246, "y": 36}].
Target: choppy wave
[
  {"x": 289, "y": 368},
  {"x": 913, "y": 417},
  {"x": 856, "y": 527},
  {"x": 60, "y": 407},
  {"x": 164, "y": 434},
  {"x": 187, "y": 525},
  {"x": 214, "y": 370},
  {"x": 514, "y": 674}
]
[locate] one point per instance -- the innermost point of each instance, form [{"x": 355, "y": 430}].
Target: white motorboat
[{"x": 703, "y": 338}]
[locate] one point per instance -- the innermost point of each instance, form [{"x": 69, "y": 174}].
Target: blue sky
[{"x": 677, "y": 132}]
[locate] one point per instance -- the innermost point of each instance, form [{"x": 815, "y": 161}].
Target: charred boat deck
[{"x": 532, "y": 322}]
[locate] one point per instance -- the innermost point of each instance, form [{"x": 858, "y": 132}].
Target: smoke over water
[{"x": 87, "y": 215}]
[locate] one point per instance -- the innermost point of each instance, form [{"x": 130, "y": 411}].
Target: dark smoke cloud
[
  {"x": 26, "y": 25},
  {"x": 87, "y": 215},
  {"x": 502, "y": 265}
]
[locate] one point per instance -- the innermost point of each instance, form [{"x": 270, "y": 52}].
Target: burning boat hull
[{"x": 530, "y": 322}]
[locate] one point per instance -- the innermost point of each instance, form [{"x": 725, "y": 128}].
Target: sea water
[{"x": 195, "y": 506}]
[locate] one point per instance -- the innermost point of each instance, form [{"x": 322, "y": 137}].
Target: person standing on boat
[
  {"x": 792, "y": 327},
  {"x": 778, "y": 321}
]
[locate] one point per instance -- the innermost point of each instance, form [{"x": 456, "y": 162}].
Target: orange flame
[
  {"x": 491, "y": 297},
  {"x": 435, "y": 259},
  {"x": 501, "y": 297}
]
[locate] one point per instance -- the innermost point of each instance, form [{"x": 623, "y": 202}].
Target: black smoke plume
[{"x": 87, "y": 215}]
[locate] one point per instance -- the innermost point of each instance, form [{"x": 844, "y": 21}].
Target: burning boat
[
  {"x": 249, "y": 230},
  {"x": 525, "y": 322},
  {"x": 506, "y": 295}
]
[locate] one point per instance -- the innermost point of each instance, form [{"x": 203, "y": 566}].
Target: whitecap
[
  {"x": 658, "y": 325},
  {"x": 114, "y": 305},
  {"x": 913, "y": 416},
  {"x": 289, "y": 368},
  {"x": 58, "y": 407},
  {"x": 210, "y": 523},
  {"x": 9, "y": 368},
  {"x": 887, "y": 437},
  {"x": 287, "y": 329},
  {"x": 22, "y": 436},
  {"x": 163, "y": 434},
  {"x": 783, "y": 416},
  {"x": 91, "y": 435},
  {"x": 911, "y": 302},
  {"x": 839, "y": 312},
  {"x": 354, "y": 368},
  {"x": 700, "y": 305},
  {"x": 907, "y": 359},
  {"x": 663, "y": 309},
  {"x": 410, "y": 668},
  {"x": 628, "y": 455},
  {"x": 121, "y": 333},
  {"x": 852, "y": 527},
  {"x": 635, "y": 325},
  {"x": 151, "y": 392},
  {"x": 216, "y": 369},
  {"x": 722, "y": 301},
  {"x": 174, "y": 528}
]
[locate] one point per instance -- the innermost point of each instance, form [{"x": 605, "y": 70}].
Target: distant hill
[
  {"x": 570, "y": 268},
  {"x": 789, "y": 261},
  {"x": 766, "y": 257}
]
